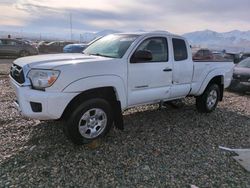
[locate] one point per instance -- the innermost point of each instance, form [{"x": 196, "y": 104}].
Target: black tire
[
  {"x": 202, "y": 103},
  {"x": 72, "y": 127},
  {"x": 24, "y": 53}
]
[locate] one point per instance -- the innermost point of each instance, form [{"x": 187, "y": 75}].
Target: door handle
[
  {"x": 143, "y": 86},
  {"x": 167, "y": 70}
]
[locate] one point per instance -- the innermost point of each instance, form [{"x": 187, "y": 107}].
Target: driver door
[{"x": 150, "y": 80}]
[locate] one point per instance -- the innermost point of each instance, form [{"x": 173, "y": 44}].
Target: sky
[{"x": 175, "y": 16}]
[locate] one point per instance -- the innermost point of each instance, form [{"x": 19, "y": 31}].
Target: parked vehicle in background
[
  {"x": 26, "y": 41},
  {"x": 218, "y": 56},
  {"x": 235, "y": 57},
  {"x": 74, "y": 48},
  {"x": 39, "y": 43},
  {"x": 203, "y": 55},
  {"x": 244, "y": 56},
  {"x": 13, "y": 47},
  {"x": 241, "y": 76},
  {"x": 78, "y": 48},
  {"x": 90, "y": 90},
  {"x": 53, "y": 47}
]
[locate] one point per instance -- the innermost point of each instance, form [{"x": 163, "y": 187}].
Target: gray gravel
[
  {"x": 158, "y": 148},
  {"x": 5, "y": 65}
]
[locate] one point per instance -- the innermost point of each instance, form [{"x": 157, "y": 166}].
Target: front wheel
[
  {"x": 89, "y": 121},
  {"x": 208, "y": 101}
]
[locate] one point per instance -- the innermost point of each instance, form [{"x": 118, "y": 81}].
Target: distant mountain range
[
  {"x": 231, "y": 41},
  {"x": 87, "y": 37},
  {"x": 234, "y": 41}
]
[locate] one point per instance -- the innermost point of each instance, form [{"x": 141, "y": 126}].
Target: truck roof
[{"x": 151, "y": 33}]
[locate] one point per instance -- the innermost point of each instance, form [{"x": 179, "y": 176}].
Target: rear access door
[{"x": 182, "y": 68}]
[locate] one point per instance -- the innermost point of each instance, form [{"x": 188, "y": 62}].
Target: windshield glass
[
  {"x": 114, "y": 46},
  {"x": 245, "y": 63}
]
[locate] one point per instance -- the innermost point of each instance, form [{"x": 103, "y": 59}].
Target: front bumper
[
  {"x": 53, "y": 103},
  {"x": 240, "y": 86}
]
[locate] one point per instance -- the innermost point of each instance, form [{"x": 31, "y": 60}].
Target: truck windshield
[
  {"x": 245, "y": 63},
  {"x": 114, "y": 46}
]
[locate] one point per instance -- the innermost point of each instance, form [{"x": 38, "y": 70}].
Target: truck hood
[{"x": 54, "y": 60}]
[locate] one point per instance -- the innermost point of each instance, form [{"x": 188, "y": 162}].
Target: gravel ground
[
  {"x": 158, "y": 148},
  {"x": 5, "y": 65}
]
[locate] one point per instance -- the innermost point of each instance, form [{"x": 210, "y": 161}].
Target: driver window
[{"x": 157, "y": 46}]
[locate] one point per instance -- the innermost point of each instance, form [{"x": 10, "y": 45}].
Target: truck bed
[{"x": 202, "y": 69}]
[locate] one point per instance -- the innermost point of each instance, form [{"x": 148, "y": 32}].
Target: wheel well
[
  {"x": 219, "y": 80},
  {"x": 107, "y": 93}
]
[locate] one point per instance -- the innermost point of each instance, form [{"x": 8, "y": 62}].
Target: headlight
[{"x": 42, "y": 79}]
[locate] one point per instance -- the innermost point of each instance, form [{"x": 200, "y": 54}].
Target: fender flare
[
  {"x": 208, "y": 78},
  {"x": 100, "y": 81}
]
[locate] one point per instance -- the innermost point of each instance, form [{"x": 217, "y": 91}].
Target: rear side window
[{"x": 180, "y": 50}]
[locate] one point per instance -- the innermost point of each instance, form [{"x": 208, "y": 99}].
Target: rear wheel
[
  {"x": 208, "y": 101},
  {"x": 89, "y": 121},
  {"x": 24, "y": 53}
]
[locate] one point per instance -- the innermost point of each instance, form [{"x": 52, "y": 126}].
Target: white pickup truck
[{"x": 90, "y": 90}]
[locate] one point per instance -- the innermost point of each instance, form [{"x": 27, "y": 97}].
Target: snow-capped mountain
[
  {"x": 233, "y": 41},
  {"x": 238, "y": 34}
]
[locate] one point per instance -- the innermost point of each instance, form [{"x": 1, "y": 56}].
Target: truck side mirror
[{"x": 141, "y": 56}]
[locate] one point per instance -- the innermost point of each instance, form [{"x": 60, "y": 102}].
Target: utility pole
[
  {"x": 80, "y": 38},
  {"x": 70, "y": 19}
]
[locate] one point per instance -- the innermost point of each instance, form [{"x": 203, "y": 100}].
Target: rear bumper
[{"x": 53, "y": 104}]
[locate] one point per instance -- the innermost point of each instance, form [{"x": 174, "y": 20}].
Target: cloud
[
  {"x": 10, "y": 16},
  {"x": 92, "y": 15},
  {"x": 84, "y": 18},
  {"x": 223, "y": 10}
]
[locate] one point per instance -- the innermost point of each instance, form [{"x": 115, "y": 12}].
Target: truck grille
[{"x": 16, "y": 73}]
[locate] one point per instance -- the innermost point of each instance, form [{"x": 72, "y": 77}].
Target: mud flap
[
  {"x": 118, "y": 117},
  {"x": 221, "y": 92}
]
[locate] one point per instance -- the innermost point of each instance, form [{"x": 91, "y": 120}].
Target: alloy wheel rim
[
  {"x": 212, "y": 99},
  {"x": 92, "y": 123}
]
